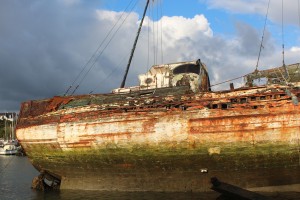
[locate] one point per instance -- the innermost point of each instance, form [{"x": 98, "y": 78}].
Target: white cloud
[
  {"x": 71, "y": 2},
  {"x": 290, "y": 8},
  {"x": 295, "y": 49},
  {"x": 189, "y": 39},
  {"x": 239, "y": 6},
  {"x": 180, "y": 27},
  {"x": 179, "y": 37},
  {"x": 52, "y": 48},
  {"x": 113, "y": 17},
  {"x": 177, "y": 28}
]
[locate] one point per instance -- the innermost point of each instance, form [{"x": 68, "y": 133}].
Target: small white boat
[{"x": 9, "y": 149}]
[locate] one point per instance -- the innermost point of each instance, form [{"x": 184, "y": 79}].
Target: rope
[
  {"x": 153, "y": 35},
  {"x": 161, "y": 32},
  {"x": 263, "y": 35},
  {"x": 111, "y": 73},
  {"x": 157, "y": 32},
  {"x": 148, "y": 40},
  {"x": 148, "y": 35},
  {"x": 93, "y": 57},
  {"x": 103, "y": 49},
  {"x": 295, "y": 74},
  {"x": 282, "y": 31},
  {"x": 228, "y": 80},
  {"x": 95, "y": 53}
]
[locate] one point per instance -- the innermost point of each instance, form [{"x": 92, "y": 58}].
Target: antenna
[
  {"x": 263, "y": 35},
  {"x": 134, "y": 45}
]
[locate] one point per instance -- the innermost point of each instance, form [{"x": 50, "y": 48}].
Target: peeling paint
[{"x": 162, "y": 136}]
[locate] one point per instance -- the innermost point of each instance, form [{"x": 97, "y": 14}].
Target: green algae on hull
[{"x": 237, "y": 156}]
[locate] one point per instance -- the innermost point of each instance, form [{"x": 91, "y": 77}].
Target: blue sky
[
  {"x": 189, "y": 9},
  {"x": 45, "y": 44},
  {"x": 222, "y": 19}
]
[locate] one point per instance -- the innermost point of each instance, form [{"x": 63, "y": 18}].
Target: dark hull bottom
[
  {"x": 189, "y": 181},
  {"x": 171, "y": 169}
]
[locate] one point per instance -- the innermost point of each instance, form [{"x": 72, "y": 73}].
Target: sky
[{"x": 46, "y": 46}]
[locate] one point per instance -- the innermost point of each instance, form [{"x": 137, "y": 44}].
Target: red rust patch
[{"x": 58, "y": 101}]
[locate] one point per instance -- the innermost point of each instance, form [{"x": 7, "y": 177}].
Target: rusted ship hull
[{"x": 148, "y": 142}]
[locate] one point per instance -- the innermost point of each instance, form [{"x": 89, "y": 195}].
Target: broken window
[{"x": 187, "y": 68}]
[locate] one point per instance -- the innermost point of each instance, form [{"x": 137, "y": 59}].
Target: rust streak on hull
[{"x": 167, "y": 142}]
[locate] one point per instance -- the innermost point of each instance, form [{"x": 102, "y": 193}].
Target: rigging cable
[
  {"x": 161, "y": 32},
  {"x": 153, "y": 34},
  {"x": 263, "y": 35},
  {"x": 94, "y": 62},
  {"x": 157, "y": 31},
  {"x": 111, "y": 73},
  {"x": 230, "y": 80},
  {"x": 148, "y": 40},
  {"x": 97, "y": 50},
  {"x": 282, "y": 33},
  {"x": 95, "y": 53}
]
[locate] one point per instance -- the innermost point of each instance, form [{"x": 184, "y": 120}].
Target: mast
[
  {"x": 5, "y": 135},
  {"x": 286, "y": 75},
  {"x": 134, "y": 45}
]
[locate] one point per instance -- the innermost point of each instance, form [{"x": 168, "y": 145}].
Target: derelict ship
[{"x": 170, "y": 133}]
